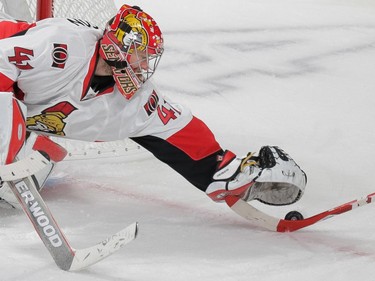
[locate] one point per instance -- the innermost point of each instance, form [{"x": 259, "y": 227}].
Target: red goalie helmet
[{"x": 132, "y": 45}]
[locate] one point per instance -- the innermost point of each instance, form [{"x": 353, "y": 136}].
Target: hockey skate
[{"x": 271, "y": 177}]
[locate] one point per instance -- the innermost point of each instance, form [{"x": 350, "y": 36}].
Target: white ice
[{"x": 293, "y": 73}]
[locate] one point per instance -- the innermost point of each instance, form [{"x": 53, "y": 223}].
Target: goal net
[{"x": 97, "y": 12}]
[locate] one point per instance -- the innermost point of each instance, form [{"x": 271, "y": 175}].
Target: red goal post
[{"x": 44, "y": 9}]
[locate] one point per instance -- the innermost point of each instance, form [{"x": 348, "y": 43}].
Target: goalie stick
[
  {"x": 264, "y": 220},
  {"x": 66, "y": 257},
  {"x": 26, "y": 167}
]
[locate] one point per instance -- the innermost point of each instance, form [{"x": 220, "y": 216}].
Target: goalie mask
[{"x": 132, "y": 45}]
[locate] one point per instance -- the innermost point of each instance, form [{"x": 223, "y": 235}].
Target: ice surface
[{"x": 293, "y": 73}]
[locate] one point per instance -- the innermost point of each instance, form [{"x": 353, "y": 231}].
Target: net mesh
[{"x": 97, "y": 12}]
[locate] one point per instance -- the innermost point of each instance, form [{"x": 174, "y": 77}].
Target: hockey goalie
[{"x": 68, "y": 78}]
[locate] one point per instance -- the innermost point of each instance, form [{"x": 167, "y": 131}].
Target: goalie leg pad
[
  {"x": 12, "y": 127},
  {"x": 44, "y": 144},
  {"x": 51, "y": 149}
]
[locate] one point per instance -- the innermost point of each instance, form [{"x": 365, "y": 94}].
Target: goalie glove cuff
[{"x": 233, "y": 176}]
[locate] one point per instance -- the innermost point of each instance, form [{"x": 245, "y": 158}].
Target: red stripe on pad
[
  {"x": 55, "y": 151},
  {"x": 18, "y": 136}
]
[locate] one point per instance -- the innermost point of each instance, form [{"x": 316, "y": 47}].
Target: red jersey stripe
[
  {"x": 9, "y": 28},
  {"x": 6, "y": 84},
  {"x": 190, "y": 138}
]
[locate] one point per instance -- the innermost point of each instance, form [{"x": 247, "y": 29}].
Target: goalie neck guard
[{"x": 132, "y": 45}]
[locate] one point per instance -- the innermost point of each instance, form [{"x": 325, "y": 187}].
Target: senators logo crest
[{"x": 52, "y": 119}]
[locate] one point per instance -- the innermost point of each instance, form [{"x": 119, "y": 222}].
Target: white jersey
[{"x": 50, "y": 65}]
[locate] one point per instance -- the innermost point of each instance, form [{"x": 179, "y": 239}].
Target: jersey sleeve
[
  {"x": 191, "y": 150},
  {"x": 8, "y": 69},
  {"x": 179, "y": 139},
  {"x": 166, "y": 128},
  {"x": 42, "y": 58}
]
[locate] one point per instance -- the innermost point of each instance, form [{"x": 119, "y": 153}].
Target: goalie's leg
[
  {"x": 12, "y": 127},
  {"x": 13, "y": 148},
  {"x": 12, "y": 132},
  {"x": 50, "y": 149}
]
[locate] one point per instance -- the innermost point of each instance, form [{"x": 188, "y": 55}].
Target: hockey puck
[{"x": 293, "y": 216}]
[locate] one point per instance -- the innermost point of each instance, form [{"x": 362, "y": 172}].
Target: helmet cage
[{"x": 132, "y": 52}]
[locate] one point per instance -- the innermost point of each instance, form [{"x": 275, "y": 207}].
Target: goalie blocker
[{"x": 14, "y": 147}]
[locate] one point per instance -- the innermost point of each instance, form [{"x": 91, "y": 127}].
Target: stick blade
[
  {"x": 251, "y": 214},
  {"x": 89, "y": 256}
]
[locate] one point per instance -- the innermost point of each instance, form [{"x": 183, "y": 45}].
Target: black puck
[{"x": 293, "y": 216}]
